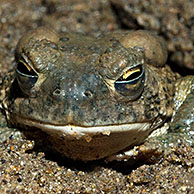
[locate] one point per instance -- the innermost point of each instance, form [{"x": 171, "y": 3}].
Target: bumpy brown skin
[{"x": 75, "y": 86}]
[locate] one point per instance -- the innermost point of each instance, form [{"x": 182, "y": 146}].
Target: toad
[{"x": 93, "y": 97}]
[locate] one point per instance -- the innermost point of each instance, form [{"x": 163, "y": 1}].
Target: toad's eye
[
  {"x": 26, "y": 76},
  {"x": 131, "y": 82}
]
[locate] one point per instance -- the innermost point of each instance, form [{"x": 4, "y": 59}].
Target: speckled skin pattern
[{"x": 76, "y": 86}]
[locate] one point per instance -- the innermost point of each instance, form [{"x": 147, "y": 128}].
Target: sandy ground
[{"x": 25, "y": 169}]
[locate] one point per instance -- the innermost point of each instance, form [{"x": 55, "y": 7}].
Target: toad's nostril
[
  {"x": 88, "y": 93},
  {"x": 57, "y": 92}
]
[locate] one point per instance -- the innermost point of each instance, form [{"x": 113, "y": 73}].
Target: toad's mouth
[{"x": 80, "y": 131}]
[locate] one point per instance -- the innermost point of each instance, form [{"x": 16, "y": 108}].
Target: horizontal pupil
[
  {"x": 24, "y": 70},
  {"x": 132, "y": 76}
]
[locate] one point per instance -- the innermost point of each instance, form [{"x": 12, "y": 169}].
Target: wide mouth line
[
  {"x": 70, "y": 129},
  {"x": 40, "y": 122}
]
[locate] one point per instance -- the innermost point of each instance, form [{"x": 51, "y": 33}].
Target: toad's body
[{"x": 93, "y": 96}]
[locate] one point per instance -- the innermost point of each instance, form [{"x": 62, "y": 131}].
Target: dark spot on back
[
  {"x": 64, "y": 39},
  {"x": 53, "y": 46}
]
